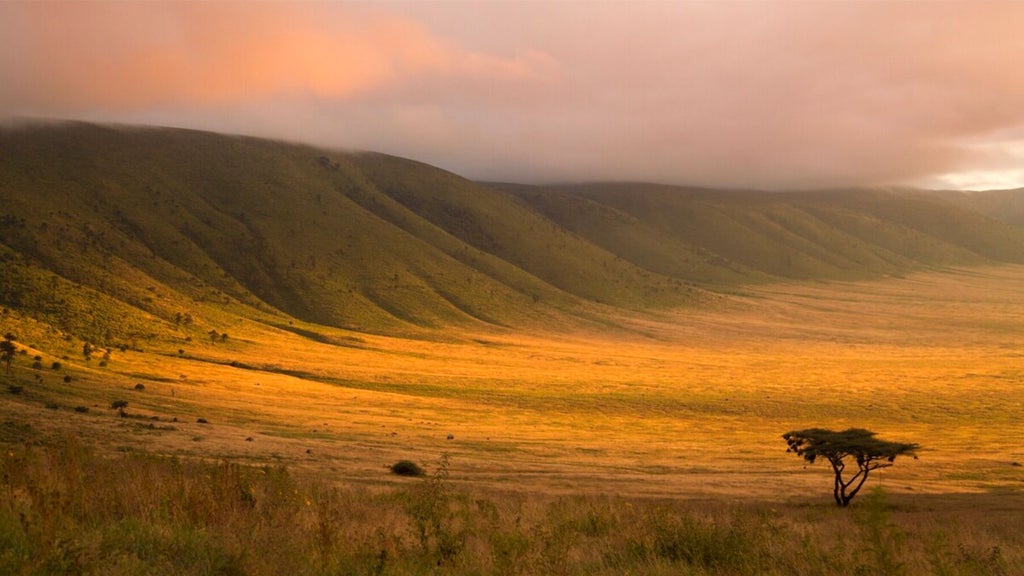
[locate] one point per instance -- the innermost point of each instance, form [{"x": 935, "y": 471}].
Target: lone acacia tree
[{"x": 852, "y": 445}]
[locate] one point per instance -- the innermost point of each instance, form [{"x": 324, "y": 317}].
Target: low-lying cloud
[{"x": 763, "y": 95}]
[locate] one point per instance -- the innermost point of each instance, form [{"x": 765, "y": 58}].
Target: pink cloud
[
  {"x": 726, "y": 94},
  {"x": 137, "y": 55}
]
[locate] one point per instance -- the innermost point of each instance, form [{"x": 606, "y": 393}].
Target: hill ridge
[{"x": 116, "y": 233}]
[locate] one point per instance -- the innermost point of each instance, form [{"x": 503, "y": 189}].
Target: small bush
[
  {"x": 81, "y": 409},
  {"x": 406, "y": 468},
  {"x": 55, "y": 366},
  {"x": 37, "y": 365},
  {"x": 15, "y": 389},
  {"x": 67, "y": 378},
  {"x": 140, "y": 386},
  {"x": 201, "y": 421},
  {"x": 118, "y": 404}
]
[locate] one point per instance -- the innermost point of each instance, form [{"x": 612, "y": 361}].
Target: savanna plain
[{"x": 650, "y": 445}]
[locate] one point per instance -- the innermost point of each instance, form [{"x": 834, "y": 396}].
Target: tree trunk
[{"x": 839, "y": 491}]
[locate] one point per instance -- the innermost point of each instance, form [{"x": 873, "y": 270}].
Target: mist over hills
[
  {"x": 1004, "y": 205},
  {"x": 112, "y": 233}
]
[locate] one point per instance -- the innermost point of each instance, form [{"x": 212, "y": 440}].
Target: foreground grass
[{"x": 66, "y": 510}]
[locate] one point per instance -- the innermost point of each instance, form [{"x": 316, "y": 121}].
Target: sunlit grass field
[{"x": 683, "y": 406}]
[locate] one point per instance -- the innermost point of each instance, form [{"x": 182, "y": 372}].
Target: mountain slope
[
  {"x": 327, "y": 237},
  {"x": 722, "y": 237},
  {"x": 116, "y": 233}
]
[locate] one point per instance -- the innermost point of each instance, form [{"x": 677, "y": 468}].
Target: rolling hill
[
  {"x": 718, "y": 238},
  {"x": 117, "y": 233}
]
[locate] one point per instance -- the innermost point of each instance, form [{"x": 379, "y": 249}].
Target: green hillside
[
  {"x": 115, "y": 233},
  {"x": 715, "y": 237},
  {"x": 152, "y": 223}
]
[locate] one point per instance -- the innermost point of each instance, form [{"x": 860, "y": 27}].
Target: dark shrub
[
  {"x": 81, "y": 409},
  {"x": 119, "y": 404},
  {"x": 140, "y": 386},
  {"x": 201, "y": 421},
  {"x": 55, "y": 366},
  {"x": 406, "y": 468},
  {"x": 67, "y": 378},
  {"x": 37, "y": 365},
  {"x": 15, "y": 389}
]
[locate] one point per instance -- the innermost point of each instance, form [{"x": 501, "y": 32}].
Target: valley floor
[{"x": 688, "y": 405}]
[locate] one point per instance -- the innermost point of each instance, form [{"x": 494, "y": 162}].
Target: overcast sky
[{"x": 727, "y": 94}]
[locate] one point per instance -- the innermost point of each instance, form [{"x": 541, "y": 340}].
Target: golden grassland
[{"x": 687, "y": 405}]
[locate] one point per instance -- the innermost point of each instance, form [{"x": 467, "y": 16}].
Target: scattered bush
[
  {"x": 118, "y": 404},
  {"x": 81, "y": 409},
  {"x": 201, "y": 421},
  {"x": 15, "y": 389},
  {"x": 67, "y": 378},
  {"x": 140, "y": 386},
  {"x": 406, "y": 468},
  {"x": 55, "y": 366}
]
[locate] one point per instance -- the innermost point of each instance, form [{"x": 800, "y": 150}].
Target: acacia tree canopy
[{"x": 855, "y": 445}]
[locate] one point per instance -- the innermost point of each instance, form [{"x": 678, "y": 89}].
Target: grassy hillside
[
  {"x": 163, "y": 222},
  {"x": 724, "y": 237},
  {"x": 116, "y": 234}
]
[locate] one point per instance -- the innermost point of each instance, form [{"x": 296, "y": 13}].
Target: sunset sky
[{"x": 727, "y": 94}]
